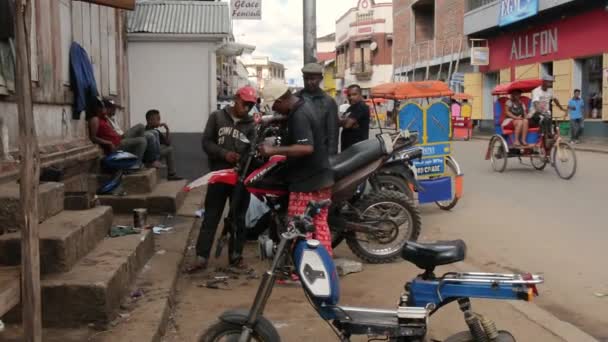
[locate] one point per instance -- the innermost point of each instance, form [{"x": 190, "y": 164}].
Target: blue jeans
[
  {"x": 153, "y": 149},
  {"x": 576, "y": 128}
]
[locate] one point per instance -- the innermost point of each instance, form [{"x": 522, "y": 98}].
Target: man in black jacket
[
  {"x": 220, "y": 142},
  {"x": 324, "y": 104}
]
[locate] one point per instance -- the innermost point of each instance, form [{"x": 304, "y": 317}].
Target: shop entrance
[{"x": 588, "y": 78}]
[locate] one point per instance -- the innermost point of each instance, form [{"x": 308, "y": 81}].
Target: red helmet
[{"x": 248, "y": 94}]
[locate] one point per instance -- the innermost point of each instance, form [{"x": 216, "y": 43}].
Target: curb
[
  {"x": 602, "y": 150},
  {"x": 543, "y": 318}
]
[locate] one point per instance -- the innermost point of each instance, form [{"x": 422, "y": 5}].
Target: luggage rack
[{"x": 492, "y": 278}]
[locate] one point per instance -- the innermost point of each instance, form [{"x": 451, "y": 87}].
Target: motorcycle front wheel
[
  {"x": 400, "y": 222},
  {"x": 230, "y": 332}
]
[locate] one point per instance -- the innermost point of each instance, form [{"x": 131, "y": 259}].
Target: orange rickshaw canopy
[
  {"x": 411, "y": 90},
  {"x": 525, "y": 86}
]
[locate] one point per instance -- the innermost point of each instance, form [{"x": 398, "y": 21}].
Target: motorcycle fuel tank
[{"x": 317, "y": 272}]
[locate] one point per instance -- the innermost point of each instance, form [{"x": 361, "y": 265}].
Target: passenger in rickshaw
[{"x": 516, "y": 118}]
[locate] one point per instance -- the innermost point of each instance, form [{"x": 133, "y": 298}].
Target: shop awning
[
  {"x": 231, "y": 49},
  {"x": 525, "y": 86},
  {"x": 412, "y": 90}
]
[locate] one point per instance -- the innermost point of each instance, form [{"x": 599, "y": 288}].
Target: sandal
[{"x": 198, "y": 266}]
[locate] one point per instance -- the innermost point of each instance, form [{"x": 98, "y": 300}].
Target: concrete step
[
  {"x": 148, "y": 318},
  {"x": 92, "y": 290},
  {"x": 50, "y": 203},
  {"x": 64, "y": 239},
  {"x": 141, "y": 182},
  {"x": 167, "y": 197}
]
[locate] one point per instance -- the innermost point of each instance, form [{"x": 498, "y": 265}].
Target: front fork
[{"x": 264, "y": 291}]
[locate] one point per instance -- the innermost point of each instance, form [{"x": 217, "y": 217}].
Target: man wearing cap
[
  {"x": 541, "y": 100},
  {"x": 307, "y": 150},
  {"x": 102, "y": 133},
  {"x": 220, "y": 141},
  {"x": 324, "y": 104}
]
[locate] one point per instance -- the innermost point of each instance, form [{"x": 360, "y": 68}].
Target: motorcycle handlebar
[{"x": 304, "y": 224}]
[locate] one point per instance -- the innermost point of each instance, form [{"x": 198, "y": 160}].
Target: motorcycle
[
  {"x": 423, "y": 296},
  {"x": 375, "y": 226}
]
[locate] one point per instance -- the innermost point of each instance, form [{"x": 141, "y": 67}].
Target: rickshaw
[
  {"x": 437, "y": 172},
  {"x": 546, "y": 146}
]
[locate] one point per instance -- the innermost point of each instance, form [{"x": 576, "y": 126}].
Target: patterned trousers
[{"x": 298, "y": 201}]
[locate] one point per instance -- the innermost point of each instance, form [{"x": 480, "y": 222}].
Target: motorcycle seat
[
  {"x": 355, "y": 157},
  {"x": 429, "y": 255}
]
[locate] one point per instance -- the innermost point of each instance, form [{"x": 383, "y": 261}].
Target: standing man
[
  {"x": 575, "y": 111},
  {"x": 308, "y": 173},
  {"x": 220, "y": 138},
  {"x": 325, "y": 106},
  {"x": 355, "y": 122}
]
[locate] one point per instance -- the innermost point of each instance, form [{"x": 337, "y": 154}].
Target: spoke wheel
[
  {"x": 564, "y": 160},
  {"x": 539, "y": 161},
  {"x": 498, "y": 154},
  {"x": 452, "y": 172}
]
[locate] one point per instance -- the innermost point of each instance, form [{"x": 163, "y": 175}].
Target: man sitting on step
[{"x": 153, "y": 125}]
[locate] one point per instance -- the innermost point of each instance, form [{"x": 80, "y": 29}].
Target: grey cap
[
  {"x": 313, "y": 68},
  {"x": 548, "y": 78}
]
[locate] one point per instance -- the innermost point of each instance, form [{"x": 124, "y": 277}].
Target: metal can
[{"x": 139, "y": 217}]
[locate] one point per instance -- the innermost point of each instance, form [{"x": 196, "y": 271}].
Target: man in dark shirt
[
  {"x": 355, "y": 122},
  {"x": 221, "y": 143},
  {"x": 154, "y": 124},
  {"x": 325, "y": 105},
  {"x": 307, "y": 151}
]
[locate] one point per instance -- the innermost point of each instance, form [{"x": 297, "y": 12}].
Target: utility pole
[
  {"x": 28, "y": 179},
  {"x": 310, "y": 31}
]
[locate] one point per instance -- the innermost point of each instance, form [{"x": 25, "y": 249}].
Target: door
[{"x": 490, "y": 81}]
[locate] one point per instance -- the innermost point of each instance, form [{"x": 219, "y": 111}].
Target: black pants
[{"x": 215, "y": 201}]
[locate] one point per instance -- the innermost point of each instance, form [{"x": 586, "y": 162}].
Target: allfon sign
[{"x": 535, "y": 44}]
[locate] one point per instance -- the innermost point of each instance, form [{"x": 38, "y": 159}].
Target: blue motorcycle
[{"x": 423, "y": 296}]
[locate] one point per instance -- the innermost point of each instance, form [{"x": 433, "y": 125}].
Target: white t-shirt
[
  {"x": 543, "y": 98},
  {"x": 344, "y": 107}
]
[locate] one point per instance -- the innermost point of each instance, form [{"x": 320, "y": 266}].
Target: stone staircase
[{"x": 84, "y": 273}]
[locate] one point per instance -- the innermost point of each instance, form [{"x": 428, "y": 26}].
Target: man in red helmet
[{"x": 220, "y": 142}]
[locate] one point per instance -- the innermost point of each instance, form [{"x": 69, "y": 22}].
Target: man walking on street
[
  {"x": 223, "y": 130},
  {"x": 355, "y": 122},
  {"x": 325, "y": 105},
  {"x": 308, "y": 173},
  {"x": 575, "y": 111}
]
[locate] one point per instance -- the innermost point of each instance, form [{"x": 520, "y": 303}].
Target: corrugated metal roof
[{"x": 180, "y": 17}]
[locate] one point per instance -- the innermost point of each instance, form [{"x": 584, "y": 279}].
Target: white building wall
[
  {"x": 381, "y": 74},
  {"x": 177, "y": 78},
  {"x": 326, "y": 46}
]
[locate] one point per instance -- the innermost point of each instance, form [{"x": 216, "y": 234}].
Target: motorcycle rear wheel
[
  {"x": 385, "y": 254},
  {"x": 229, "y": 332}
]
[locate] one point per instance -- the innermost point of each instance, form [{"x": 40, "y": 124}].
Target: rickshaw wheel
[
  {"x": 453, "y": 172},
  {"x": 539, "y": 161},
  {"x": 562, "y": 154},
  {"x": 498, "y": 154}
]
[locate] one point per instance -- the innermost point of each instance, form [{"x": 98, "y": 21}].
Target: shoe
[
  {"x": 174, "y": 177},
  {"x": 198, "y": 266}
]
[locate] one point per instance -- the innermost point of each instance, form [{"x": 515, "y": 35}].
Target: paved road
[{"x": 528, "y": 220}]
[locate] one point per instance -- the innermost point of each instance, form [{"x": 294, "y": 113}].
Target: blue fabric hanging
[{"x": 82, "y": 81}]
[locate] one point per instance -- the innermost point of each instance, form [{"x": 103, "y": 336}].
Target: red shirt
[{"x": 106, "y": 132}]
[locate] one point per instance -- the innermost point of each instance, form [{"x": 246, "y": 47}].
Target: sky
[{"x": 279, "y": 34}]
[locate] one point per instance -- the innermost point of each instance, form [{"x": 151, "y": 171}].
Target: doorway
[{"x": 490, "y": 81}]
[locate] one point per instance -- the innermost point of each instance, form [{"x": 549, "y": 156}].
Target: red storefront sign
[{"x": 578, "y": 36}]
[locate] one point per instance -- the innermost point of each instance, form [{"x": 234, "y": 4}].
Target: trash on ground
[
  {"x": 161, "y": 252},
  {"x": 1, "y": 325},
  {"x": 137, "y": 293},
  {"x": 161, "y": 230},
  {"x": 601, "y": 295},
  {"x": 199, "y": 213},
  {"x": 345, "y": 266},
  {"x": 118, "y": 231},
  {"x": 220, "y": 283}
]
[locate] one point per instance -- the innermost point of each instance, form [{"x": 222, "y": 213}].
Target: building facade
[
  {"x": 326, "y": 56},
  {"x": 262, "y": 69},
  {"x": 364, "y": 43},
  {"x": 556, "y": 40},
  {"x": 429, "y": 43},
  {"x": 62, "y": 134}
]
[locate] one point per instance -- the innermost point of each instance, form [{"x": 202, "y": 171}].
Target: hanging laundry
[{"x": 82, "y": 81}]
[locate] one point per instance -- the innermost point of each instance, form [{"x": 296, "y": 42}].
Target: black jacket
[
  {"x": 328, "y": 110},
  {"x": 221, "y": 136}
]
